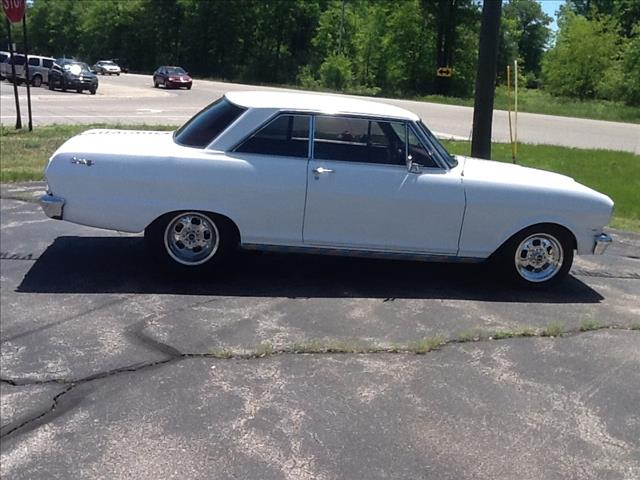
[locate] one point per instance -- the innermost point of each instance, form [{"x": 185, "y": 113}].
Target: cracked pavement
[{"x": 113, "y": 370}]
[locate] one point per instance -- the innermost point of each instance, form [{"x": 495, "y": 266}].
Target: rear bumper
[
  {"x": 602, "y": 243},
  {"x": 52, "y": 206}
]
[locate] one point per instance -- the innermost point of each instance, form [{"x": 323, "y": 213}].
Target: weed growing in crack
[
  {"x": 589, "y": 324},
  {"x": 502, "y": 334},
  {"x": 552, "y": 330},
  {"x": 264, "y": 349},
  {"x": 221, "y": 353},
  {"x": 426, "y": 345},
  {"x": 467, "y": 336}
]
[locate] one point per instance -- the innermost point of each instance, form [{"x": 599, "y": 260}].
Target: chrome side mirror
[{"x": 414, "y": 167}]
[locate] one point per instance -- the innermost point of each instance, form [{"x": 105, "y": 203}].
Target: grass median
[
  {"x": 539, "y": 101},
  {"x": 24, "y": 155}
]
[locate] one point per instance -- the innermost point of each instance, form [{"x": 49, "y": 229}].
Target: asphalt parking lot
[{"x": 112, "y": 369}]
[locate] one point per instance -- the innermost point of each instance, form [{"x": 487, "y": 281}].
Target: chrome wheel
[
  {"x": 191, "y": 238},
  {"x": 539, "y": 257}
]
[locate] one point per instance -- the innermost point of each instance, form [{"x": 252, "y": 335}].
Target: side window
[
  {"x": 418, "y": 152},
  {"x": 34, "y": 62},
  {"x": 207, "y": 124},
  {"x": 287, "y": 136},
  {"x": 47, "y": 63},
  {"x": 359, "y": 140}
]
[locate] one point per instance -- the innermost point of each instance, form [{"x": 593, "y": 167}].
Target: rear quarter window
[
  {"x": 47, "y": 63},
  {"x": 206, "y": 125}
]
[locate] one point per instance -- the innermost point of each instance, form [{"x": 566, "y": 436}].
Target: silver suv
[
  {"x": 38, "y": 70},
  {"x": 5, "y": 66}
]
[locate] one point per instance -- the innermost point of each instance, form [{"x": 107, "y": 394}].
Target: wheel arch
[
  {"x": 541, "y": 226},
  {"x": 234, "y": 230}
]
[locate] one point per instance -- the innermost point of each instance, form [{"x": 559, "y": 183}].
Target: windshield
[
  {"x": 446, "y": 156},
  {"x": 107, "y": 63},
  {"x": 176, "y": 71},
  {"x": 76, "y": 67}
]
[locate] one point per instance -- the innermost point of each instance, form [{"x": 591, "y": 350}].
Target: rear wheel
[
  {"x": 191, "y": 241},
  {"x": 36, "y": 81},
  {"x": 539, "y": 255}
]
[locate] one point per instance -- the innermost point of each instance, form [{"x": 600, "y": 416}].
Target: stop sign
[{"x": 14, "y": 9}]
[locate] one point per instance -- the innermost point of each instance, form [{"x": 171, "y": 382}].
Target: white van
[{"x": 5, "y": 66}]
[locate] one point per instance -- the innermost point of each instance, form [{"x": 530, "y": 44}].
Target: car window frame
[
  {"x": 441, "y": 164},
  {"x": 268, "y": 122},
  {"x": 408, "y": 124}
]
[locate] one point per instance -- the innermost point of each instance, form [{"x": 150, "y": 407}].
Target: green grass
[
  {"x": 616, "y": 174},
  {"x": 24, "y": 155},
  {"x": 539, "y": 101},
  {"x": 552, "y": 330}
]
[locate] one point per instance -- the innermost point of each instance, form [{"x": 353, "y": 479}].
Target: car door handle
[{"x": 321, "y": 170}]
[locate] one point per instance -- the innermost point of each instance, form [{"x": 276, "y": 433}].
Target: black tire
[
  {"x": 93, "y": 91},
  {"x": 36, "y": 81},
  {"x": 79, "y": 90},
  {"x": 163, "y": 239},
  {"x": 189, "y": 87},
  {"x": 155, "y": 84},
  {"x": 166, "y": 84},
  {"x": 538, "y": 256},
  {"x": 51, "y": 87}
]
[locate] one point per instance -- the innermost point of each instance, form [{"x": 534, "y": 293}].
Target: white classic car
[{"x": 322, "y": 174}]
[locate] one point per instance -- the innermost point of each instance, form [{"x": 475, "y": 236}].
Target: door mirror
[{"x": 413, "y": 167}]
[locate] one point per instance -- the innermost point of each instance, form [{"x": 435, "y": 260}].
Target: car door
[
  {"x": 270, "y": 190},
  {"x": 361, "y": 195}
]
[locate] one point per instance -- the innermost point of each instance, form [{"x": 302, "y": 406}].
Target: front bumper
[
  {"x": 52, "y": 206},
  {"x": 602, "y": 243}
]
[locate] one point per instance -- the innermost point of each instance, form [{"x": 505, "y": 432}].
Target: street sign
[
  {"x": 444, "y": 72},
  {"x": 14, "y": 9}
]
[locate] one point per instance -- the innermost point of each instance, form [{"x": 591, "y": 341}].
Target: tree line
[{"x": 386, "y": 47}]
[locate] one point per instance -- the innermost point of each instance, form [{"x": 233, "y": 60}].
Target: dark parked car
[
  {"x": 68, "y": 74},
  {"x": 172, "y": 77}
]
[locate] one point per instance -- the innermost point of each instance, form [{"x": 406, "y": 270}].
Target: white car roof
[{"x": 316, "y": 102}]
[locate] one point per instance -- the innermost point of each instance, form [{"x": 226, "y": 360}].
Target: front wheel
[
  {"x": 192, "y": 242},
  {"x": 539, "y": 255}
]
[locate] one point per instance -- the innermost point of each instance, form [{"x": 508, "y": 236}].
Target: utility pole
[{"x": 486, "y": 79}]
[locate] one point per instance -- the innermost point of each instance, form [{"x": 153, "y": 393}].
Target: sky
[{"x": 550, "y": 7}]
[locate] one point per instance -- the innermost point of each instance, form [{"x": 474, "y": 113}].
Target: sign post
[
  {"x": 26, "y": 69},
  {"x": 14, "y": 11}
]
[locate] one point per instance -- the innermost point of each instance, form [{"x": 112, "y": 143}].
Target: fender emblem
[{"x": 81, "y": 161}]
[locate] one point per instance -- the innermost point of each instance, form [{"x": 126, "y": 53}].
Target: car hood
[{"x": 508, "y": 173}]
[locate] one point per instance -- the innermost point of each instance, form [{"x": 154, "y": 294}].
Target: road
[
  {"x": 111, "y": 369},
  {"x": 131, "y": 98}
]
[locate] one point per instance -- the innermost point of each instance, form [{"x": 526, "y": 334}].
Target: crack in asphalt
[{"x": 178, "y": 356}]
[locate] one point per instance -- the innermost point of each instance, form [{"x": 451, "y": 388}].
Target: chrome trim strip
[
  {"x": 602, "y": 243},
  {"x": 345, "y": 252},
  {"x": 52, "y": 206}
]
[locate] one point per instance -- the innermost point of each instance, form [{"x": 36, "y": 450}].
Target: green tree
[
  {"x": 527, "y": 27},
  {"x": 584, "y": 51}
]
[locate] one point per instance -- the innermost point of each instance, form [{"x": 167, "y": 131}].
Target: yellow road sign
[{"x": 444, "y": 72}]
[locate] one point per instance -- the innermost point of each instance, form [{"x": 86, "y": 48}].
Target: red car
[{"x": 172, "y": 77}]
